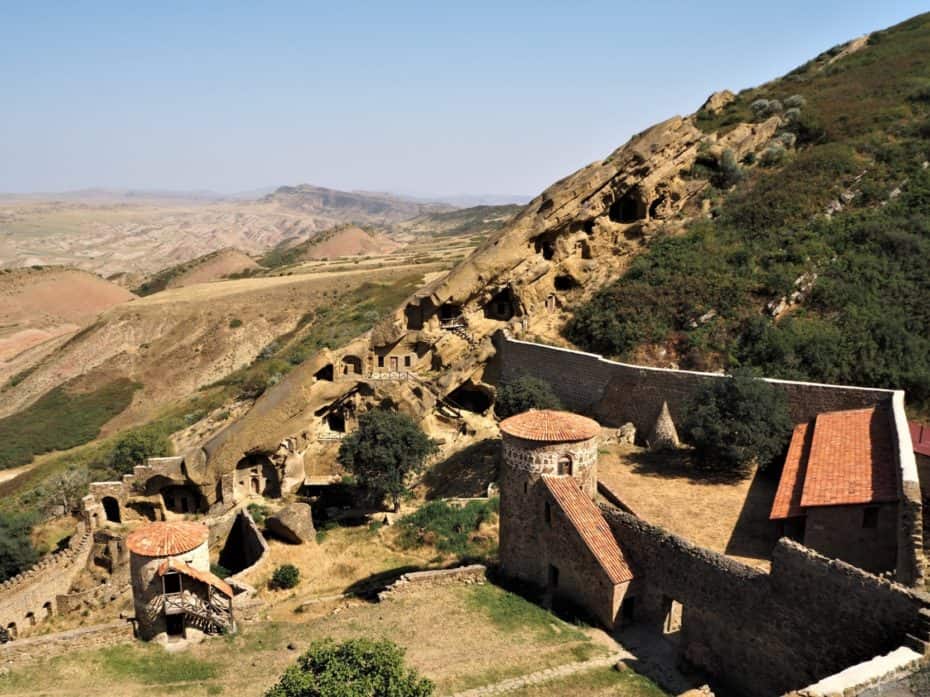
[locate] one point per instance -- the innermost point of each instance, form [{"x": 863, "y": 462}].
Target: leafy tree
[
  {"x": 737, "y": 421},
  {"x": 134, "y": 447},
  {"x": 387, "y": 447},
  {"x": 285, "y": 576},
  {"x": 16, "y": 551},
  {"x": 523, "y": 393},
  {"x": 354, "y": 668}
]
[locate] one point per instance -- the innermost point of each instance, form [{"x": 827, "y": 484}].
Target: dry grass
[
  {"x": 458, "y": 636},
  {"x": 723, "y": 514}
]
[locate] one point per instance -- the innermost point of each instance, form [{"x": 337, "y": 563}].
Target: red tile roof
[
  {"x": 550, "y": 426},
  {"x": 202, "y": 576},
  {"x": 166, "y": 539},
  {"x": 841, "y": 458},
  {"x": 852, "y": 459},
  {"x": 590, "y": 525},
  {"x": 787, "y": 502},
  {"x": 920, "y": 435}
]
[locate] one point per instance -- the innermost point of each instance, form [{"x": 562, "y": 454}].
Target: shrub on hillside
[
  {"x": 386, "y": 449},
  {"x": 284, "y": 577},
  {"x": 449, "y": 528},
  {"x": 354, "y": 668},
  {"x": 736, "y": 422},
  {"x": 16, "y": 551},
  {"x": 523, "y": 393},
  {"x": 134, "y": 447},
  {"x": 728, "y": 173}
]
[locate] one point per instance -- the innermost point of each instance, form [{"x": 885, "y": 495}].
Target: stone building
[
  {"x": 552, "y": 535},
  {"x": 175, "y": 595},
  {"x": 838, "y": 492}
]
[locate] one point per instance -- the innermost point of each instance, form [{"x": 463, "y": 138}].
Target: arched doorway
[
  {"x": 47, "y": 609},
  {"x": 31, "y": 619},
  {"x": 111, "y": 509}
]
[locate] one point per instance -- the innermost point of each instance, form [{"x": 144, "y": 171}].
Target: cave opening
[
  {"x": 470, "y": 397},
  {"x": 502, "y": 306},
  {"x": 654, "y": 208},
  {"x": 543, "y": 246},
  {"x": 565, "y": 282},
  {"x": 627, "y": 209},
  {"x": 325, "y": 373},
  {"x": 243, "y": 546}
]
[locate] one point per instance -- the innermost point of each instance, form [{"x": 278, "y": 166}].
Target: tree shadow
[
  {"x": 754, "y": 535},
  {"x": 680, "y": 464},
  {"x": 466, "y": 474}
]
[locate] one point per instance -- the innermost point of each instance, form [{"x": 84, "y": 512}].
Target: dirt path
[{"x": 544, "y": 676}]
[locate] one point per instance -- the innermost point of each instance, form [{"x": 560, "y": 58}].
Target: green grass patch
[
  {"x": 513, "y": 613},
  {"x": 152, "y": 665},
  {"x": 62, "y": 418},
  {"x": 449, "y": 528},
  {"x": 602, "y": 681}
]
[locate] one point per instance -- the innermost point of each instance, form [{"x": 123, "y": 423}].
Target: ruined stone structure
[
  {"x": 174, "y": 593},
  {"x": 33, "y": 596}
]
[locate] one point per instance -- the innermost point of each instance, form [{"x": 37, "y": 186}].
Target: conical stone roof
[{"x": 664, "y": 435}]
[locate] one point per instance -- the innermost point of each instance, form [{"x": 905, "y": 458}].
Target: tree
[
  {"x": 386, "y": 448},
  {"x": 354, "y": 668},
  {"x": 16, "y": 551},
  {"x": 134, "y": 447},
  {"x": 737, "y": 421},
  {"x": 523, "y": 393}
]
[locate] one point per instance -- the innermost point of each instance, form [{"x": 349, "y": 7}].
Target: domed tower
[
  {"x": 174, "y": 593},
  {"x": 538, "y": 443}
]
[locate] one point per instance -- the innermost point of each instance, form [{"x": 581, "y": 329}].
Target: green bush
[
  {"x": 354, "y": 668},
  {"x": 736, "y": 422},
  {"x": 62, "y": 418},
  {"x": 235, "y": 323},
  {"x": 258, "y": 512},
  {"x": 134, "y": 447},
  {"x": 449, "y": 528},
  {"x": 523, "y": 393},
  {"x": 16, "y": 551},
  {"x": 284, "y": 577}
]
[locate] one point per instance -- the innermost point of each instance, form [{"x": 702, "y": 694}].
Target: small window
[
  {"x": 407, "y": 361},
  {"x": 870, "y": 517},
  {"x": 548, "y": 514},
  {"x": 172, "y": 583},
  {"x": 565, "y": 465},
  {"x": 553, "y": 576},
  {"x": 380, "y": 361},
  {"x": 524, "y": 487}
]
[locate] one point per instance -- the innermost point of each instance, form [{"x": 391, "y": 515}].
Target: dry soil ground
[
  {"x": 728, "y": 515},
  {"x": 461, "y": 637}
]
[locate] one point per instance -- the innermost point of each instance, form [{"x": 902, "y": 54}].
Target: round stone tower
[
  {"x": 160, "y": 554},
  {"x": 538, "y": 443}
]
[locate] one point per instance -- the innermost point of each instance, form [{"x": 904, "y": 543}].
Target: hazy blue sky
[{"x": 409, "y": 97}]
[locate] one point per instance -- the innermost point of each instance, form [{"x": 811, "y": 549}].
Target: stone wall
[
  {"x": 766, "y": 633},
  {"x": 616, "y": 393},
  {"x": 30, "y": 597},
  {"x": 474, "y": 573},
  {"x": 49, "y": 645},
  {"x": 911, "y": 562},
  {"x": 837, "y": 532}
]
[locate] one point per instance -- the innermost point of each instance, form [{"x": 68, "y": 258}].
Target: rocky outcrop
[{"x": 293, "y": 523}]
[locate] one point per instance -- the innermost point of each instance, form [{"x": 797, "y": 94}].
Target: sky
[{"x": 418, "y": 98}]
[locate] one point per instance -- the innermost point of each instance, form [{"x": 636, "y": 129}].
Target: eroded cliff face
[{"x": 428, "y": 358}]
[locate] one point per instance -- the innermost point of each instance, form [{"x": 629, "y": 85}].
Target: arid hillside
[
  {"x": 210, "y": 267},
  {"x": 41, "y": 307},
  {"x": 143, "y": 235}
]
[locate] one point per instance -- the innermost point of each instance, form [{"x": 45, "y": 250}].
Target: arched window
[
  {"x": 565, "y": 464},
  {"x": 31, "y": 619},
  {"x": 48, "y": 609}
]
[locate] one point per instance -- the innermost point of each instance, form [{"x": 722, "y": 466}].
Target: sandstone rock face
[
  {"x": 664, "y": 435},
  {"x": 428, "y": 357},
  {"x": 717, "y": 101},
  {"x": 293, "y": 523}
]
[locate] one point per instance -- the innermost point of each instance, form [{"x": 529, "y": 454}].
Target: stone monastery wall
[
  {"x": 768, "y": 633},
  {"x": 31, "y": 597},
  {"x": 616, "y": 393}
]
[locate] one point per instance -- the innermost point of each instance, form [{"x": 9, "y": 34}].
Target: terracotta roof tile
[
  {"x": 920, "y": 435},
  {"x": 852, "y": 459},
  {"x": 787, "y": 502},
  {"x": 166, "y": 539},
  {"x": 590, "y": 525},
  {"x": 202, "y": 576},
  {"x": 550, "y": 426}
]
